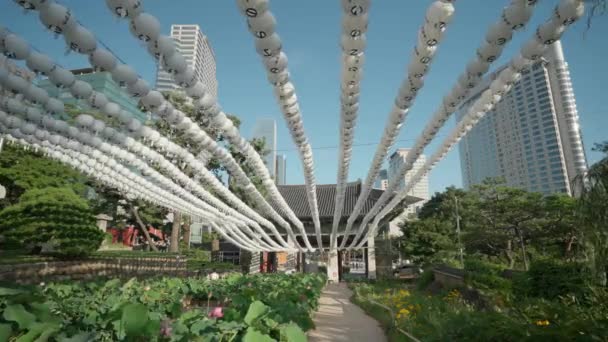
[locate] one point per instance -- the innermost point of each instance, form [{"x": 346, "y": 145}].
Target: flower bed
[
  {"x": 447, "y": 316},
  {"x": 248, "y": 308}
]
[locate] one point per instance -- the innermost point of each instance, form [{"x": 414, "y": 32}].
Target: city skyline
[{"x": 531, "y": 138}]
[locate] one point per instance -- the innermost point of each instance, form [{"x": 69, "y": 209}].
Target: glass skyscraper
[
  {"x": 197, "y": 51},
  {"x": 266, "y": 128},
  {"x": 532, "y": 137},
  {"x": 102, "y": 82},
  {"x": 421, "y": 189},
  {"x": 281, "y": 169}
]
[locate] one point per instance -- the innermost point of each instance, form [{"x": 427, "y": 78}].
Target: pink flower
[
  {"x": 165, "y": 328},
  {"x": 216, "y": 312}
]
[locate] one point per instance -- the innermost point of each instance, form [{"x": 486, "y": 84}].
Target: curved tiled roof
[{"x": 295, "y": 196}]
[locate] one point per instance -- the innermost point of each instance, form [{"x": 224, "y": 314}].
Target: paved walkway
[{"x": 340, "y": 320}]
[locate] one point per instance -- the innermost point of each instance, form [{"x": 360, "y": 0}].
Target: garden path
[{"x": 338, "y": 319}]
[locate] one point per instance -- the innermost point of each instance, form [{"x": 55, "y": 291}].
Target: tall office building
[
  {"x": 381, "y": 182},
  {"x": 102, "y": 82},
  {"x": 421, "y": 190},
  {"x": 267, "y": 128},
  {"x": 532, "y": 138},
  {"x": 281, "y": 169},
  {"x": 195, "y": 47}
]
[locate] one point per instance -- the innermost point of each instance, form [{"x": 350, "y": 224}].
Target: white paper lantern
[
  {"x": 440, "y": 14},
  {"x": 269, "y": 46},
  {"x": 499, "y": 33},
  {"x": 152, "y": 100},
  {"x": 15, "y": 83},
  {"x": 478, "y": 67},
  {"x": 81, "y": 89},
  {"x": 32, "y": 4},
  {"x": 15, "y": 47},
  {"x": 355, "y": 7},
  {"x": 33, "y": 115},
  {"x": 124, "y": 8},
  {"x": 516, "y": 16},
  {"x": 262, "y": 25},
  {"x": 139, "y": 88},
  {"x": 97, "y": 126},
  {"x": 48, "y": 122},
  {"x": 533, "y": 50},
  {"x": 550, "y": 32},
  {"x": 253, "y": 8},
  {"x": 84, "y": 121},
  {"x": 162, "y": 46},
  {"x": 353, "y": 46},
  {"x": 424, "y": 55},
  {"x": 489, "y": 52},
  {"x": 354, "y": 26},
  {"x": 124, "y": 116},
  {"x": 102, "y": 59},
  {"x": 124, "y": 75},
  {"x": 569, "y": 11},
  {"x": 36, "y": 95},
  {"x": 175, "y": 63},
  {"x": 80, "y": 39},
  {"x": 56, "y": 17},
  {"x": 196, "y": 91},
  {"x": 61, "y": 126},
  {"x": 279, "y": 79},
  {"x": 61, "y": 78},
  {"x": 98, "y": 100},
  {"x": 145, "y": 27},
  {"x": 186, "y": 78}
]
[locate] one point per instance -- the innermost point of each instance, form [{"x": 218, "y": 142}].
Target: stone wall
[{"x": 31, "y": 273}]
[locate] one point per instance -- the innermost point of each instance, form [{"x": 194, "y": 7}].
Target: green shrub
[
  {"x": 485, "y": 275},
  {"x": 425, "y": 279},
  {"x": 55, "y": 217},
  {"x": 551, "y": 279}
]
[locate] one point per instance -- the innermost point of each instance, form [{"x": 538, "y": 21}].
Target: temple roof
[{"x": 295, "y": 196}]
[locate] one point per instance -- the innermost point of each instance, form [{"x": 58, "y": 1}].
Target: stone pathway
[{"x": 340, "y": 320}]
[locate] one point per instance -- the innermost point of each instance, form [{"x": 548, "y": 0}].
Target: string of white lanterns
[
  {"x": 513, "y": 17},
  {"x": 354, "y": 26},
  {"x": 268, "y": 44},
  {"x": 143, "y": 26},
  {"x": 29, "y": 130},
  {"x": 82, "y": 90},
  {"x": 107, "y": 132},
  {"x": 565, "y": 13},
  {"x": 437, "y": 18}
]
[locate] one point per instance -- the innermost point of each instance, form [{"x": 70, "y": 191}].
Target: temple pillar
[{"x": 371, "y": 259}]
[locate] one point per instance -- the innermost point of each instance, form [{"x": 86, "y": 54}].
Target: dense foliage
[
  {"x": 247, "y": 308},
  {"x": 55, "y": 218},
  {"x": 25, "y": 169},
  {"x": 450, "y": 316}
]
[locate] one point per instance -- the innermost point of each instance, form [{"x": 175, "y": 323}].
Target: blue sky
[{"x": 310, "y": 31}]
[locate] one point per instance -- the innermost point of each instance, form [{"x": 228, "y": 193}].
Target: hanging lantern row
[
  {"x": 513, "y": 17},
  {"x": 354, "y": 27},
  {"x": 89, "y": 130},
  {"x": 262, "y": 25},
  {"x": 566, "y": 13},
  {"x": 144, "y": 27},
  {"x": 82, "y": 90},
  {"x": 77, "y": 142},
  {"x": 438, "y": 16},
  {"x": 99, "y": 126},
  {"x": 123, "y": 181}
]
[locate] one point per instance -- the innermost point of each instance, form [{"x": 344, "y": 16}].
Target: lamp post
[{"x": 458, "y": 231}]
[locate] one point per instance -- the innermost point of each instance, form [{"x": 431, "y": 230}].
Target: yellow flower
[{"x": 542, "y": 323}]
